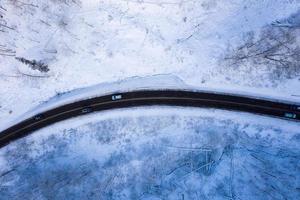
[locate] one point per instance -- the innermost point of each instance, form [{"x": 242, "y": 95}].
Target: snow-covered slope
[{"x": 90, "y": 42}]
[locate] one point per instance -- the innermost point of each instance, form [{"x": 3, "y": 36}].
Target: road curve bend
[{"x": 148, "y": 98}]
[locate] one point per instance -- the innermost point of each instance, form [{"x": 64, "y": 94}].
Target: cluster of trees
[{"x": 275, "y": 50}]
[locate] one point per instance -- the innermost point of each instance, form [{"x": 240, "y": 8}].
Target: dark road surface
[{"x": 148, "y": 98}]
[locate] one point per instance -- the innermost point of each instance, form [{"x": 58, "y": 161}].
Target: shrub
[{"x": 33, "y": 64}]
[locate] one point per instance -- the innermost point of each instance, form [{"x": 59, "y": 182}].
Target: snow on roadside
[{"x": 157, "y": 82}]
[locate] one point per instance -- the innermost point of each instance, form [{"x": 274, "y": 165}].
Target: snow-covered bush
[{"x": 33, "y": 64}]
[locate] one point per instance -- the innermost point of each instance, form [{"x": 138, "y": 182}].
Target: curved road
[{"x": 147, "y": 98}]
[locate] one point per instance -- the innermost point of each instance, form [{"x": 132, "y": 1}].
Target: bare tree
[
  {"x": 5, "y": 51},
  {"x": 3, "y": 23},
  {"x": 4, "y": 29},
  {"x": 275, "y": 49}
]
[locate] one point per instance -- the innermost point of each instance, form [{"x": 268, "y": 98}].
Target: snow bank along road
[{"x": 147, "y": 98}]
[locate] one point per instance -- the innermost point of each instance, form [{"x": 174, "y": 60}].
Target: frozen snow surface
[{"x": 157, "y": 153}]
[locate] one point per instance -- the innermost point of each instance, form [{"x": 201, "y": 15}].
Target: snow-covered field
[
  {"x": 156, "y": 153},
  {"x": 89, "y": 42}
]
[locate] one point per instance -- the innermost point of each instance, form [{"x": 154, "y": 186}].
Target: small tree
[{"x": 33, "y": 64}]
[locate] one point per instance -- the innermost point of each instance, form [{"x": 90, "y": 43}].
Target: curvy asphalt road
[{"x": 148, "y": 98}]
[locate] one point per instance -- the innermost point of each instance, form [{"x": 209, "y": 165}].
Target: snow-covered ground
[
  {"x": 156, "y": 153},
  {"x": 90, "y": 42}
]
